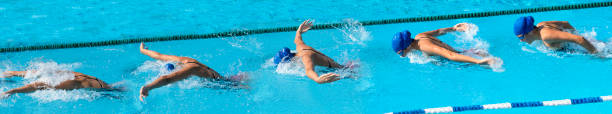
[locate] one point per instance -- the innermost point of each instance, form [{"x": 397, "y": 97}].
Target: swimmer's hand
[
  {"x": 461, "y": 27},
  {"x": 486, "y": 61},
  {"x": 142, "y": 46},
  {"x": 305, "y": 26},
  {"x": 144, "y": 92},
  {"x": 329, "y": 77}
]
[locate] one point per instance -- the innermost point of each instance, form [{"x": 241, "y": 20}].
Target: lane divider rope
[
  {"x": 293, "y": 28},
  {"x": 508, "y": 105}
]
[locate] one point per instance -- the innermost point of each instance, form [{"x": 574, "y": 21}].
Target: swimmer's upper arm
[
  {"x": 309, "y": 68},
  {"x": 448, "y": 54},
  {"x": 159, "y": 56}
]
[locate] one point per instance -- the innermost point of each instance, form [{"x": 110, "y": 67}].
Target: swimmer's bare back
[
  {"x": 80, "y": 81},
  {"x": 189, "y": 68}
]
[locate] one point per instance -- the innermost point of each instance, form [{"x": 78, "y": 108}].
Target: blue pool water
[{"x": 385, "y": 81}]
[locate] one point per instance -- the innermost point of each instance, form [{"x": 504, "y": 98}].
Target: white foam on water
[
  {"x": 468, "y": 39},
  {"x": 49, "y": 95},
  {"x": 418, "y": 57},
  {"x": 156, "y": 67},
  {"x": 354, "y": 38},
  {"x": 50, "y": 72},
  {"x": 293, "y": 67},
  {"x": 197, "y": 82},
  {"x": 475, "y": 47},
  {"x": 604, "y": 48}
]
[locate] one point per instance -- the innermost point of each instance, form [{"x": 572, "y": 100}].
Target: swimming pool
[{"x": 386, "y": 83}]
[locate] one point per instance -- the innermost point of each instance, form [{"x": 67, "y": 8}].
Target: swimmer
[
  {"x": 80, "y": 81},
  {"x": 552, "y": 33},
  {"x": 427, "y": 43},
  {"x": 310, "y": 57},
  {"x": 190, "y": 67}
]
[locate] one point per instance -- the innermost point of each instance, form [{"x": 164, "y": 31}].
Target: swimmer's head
[
  {"x": 400, "y": 42},
  {"x": 523, "y": 26},
  {"x": 169, "y": 67},
  {"x": 284, "y": 55}
]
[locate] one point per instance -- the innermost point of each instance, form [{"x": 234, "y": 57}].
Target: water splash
[
  {"x": 415, "y": 56},
  {"x": 49, "y": 95},
  {"x": 604, "y": 48},
  {"x": 468, "y": 39},
  {"x": 477, "y": 48},
  {"x": 354, "y": 33},
  {"x": 247, "y": 43},
  {"x": 49, "y": 72},
  {"x": 157, "y": 67},
  {"x": 293, "y": 67}
]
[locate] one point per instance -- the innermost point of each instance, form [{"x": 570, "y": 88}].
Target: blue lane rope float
[
  {"x": 508, "y": 105},
  {"x": 293, "y": 28}
]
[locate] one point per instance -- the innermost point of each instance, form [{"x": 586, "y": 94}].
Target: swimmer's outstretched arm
[
  {"x": 27, "y": 88},
  {"x": 437, "y": 32},
  {"x": 442, "y": 31},
  {"x": 453, "y": 56},
  {"x": 305, "y": 26},
  {"x": 156, "y": 55},
  {"x": 9, "y": 74},
  {"x": 164, "y": 80},
  {"x": 310, "y": 72}
]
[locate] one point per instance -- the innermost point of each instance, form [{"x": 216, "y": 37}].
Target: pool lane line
[
  {"x": 293, "y": 28},
  {"x": 508, "y": 105}
]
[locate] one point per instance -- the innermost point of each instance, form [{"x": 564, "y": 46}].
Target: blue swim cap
[
  {"x": 401, "y": 41},
  {"x": 283, "y": 55},
  {"x": 169, "y": 67},
  {"x": 523, "y": 25}
]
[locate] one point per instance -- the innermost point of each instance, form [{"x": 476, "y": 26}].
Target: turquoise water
[{"x": 385, "y": 81}]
